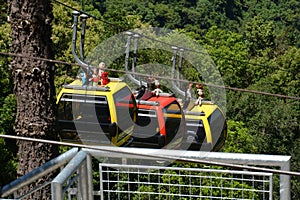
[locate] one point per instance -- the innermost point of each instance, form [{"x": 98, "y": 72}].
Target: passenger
[
  {"x": 200, "y": 94},
  {"x": 82, "y": 75},
  {"x": 103, "y": 75},
  {"x": 150, "y": 80},
  {"x": 104, "y": 78},
  {"x": 188, "y": 91},
  {"x": 188, "y": 97},
  {"x": 157, "y": 90},
  {"x": 101, "y": 67},
  {"x": 140, "y": 92},
  {"x": 95, "y": 77}
]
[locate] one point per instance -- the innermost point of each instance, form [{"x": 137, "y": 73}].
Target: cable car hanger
[
  {"x": 174, "y": 84},
  {"x": 127, "y": 52},
  {"x": 133, "y": 69},
  {"x": 84, "y": 65},
  {"x": 83, "y": 27}
]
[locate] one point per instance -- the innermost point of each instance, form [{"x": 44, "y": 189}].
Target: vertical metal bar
[
  {"x": 119, "y": 187},
  {"x": 56, "y": 191},
  {"x": 128, "y": 183},
  {"x": 83, "y": 181},
  {"x": 285, "y": 182},
  {"x": 175, "y": 49},
  {"x": 264, "y": 189},
  {"x": 174, "y": 61},
  {"x": 270, "y": 187},
  {"x": 74, "y": 38},
  {"x": 179, "y": 66},
  {"x": 136, "y": 37},
  {"x": 148, "y": 184},
  {"x": 83, "y": 28},
  {"x": 90, "y": 177},
  {"x": 101, "y": 182},
  {"x": 108, "y": 186},
  {"x": 79, "y": 189},
  {"x": 67, "y": 172},
  {"x": 127, "y": 52},
  {"x": 70, "y": 195}
]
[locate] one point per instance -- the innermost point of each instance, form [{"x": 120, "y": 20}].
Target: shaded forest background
[{"x": 255, "y": 45}]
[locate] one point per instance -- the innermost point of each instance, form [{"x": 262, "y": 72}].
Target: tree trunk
[{"x": 34, "y": 85}]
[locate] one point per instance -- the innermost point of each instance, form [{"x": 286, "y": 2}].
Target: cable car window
[
  {"x": 147, "y": 118},
  {"x": 65, "y": 111},
  {"x": 173, "y": 108},
  {"x": 196, "y": 129},
  {"x": 172, "y": 115},
  {"x": 125, "y": 108},
  {"x": 216, "y": 121},
  {"x": 84, "y": 108}
]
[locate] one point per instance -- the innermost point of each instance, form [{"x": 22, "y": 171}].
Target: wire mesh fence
[
  {"x": 153, "y": 182},
  {"x": 79, "y": 179}
]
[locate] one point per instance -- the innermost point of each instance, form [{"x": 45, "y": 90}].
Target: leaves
[
  {"x": 239, "y": 139},
  {"x": 254, "y": 44}
]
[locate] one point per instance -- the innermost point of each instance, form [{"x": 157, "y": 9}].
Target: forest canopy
[{"x": 254, "y": 44}]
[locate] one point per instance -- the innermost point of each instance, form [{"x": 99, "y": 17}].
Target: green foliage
[
  {"x": 8, "y": 163},
  {"x": 175, "y": 185},
  {"x": 285, "y": 14},
  {"x": 3, "y": 11},
  {"x": 239, "y": 139},
  {"x": 259, "y": 36},
  {"x": 277, "y": 129},
  {"x": 287, "y": 76},
  {"x": 254, "y": 44},
  {"x": 8, "y": 148},
  {"x": 227, "y": 49},
  {"x": 7, "y": 114},
  {"x": 62, "y": 38},
  {"x": 5, "y": 73}
]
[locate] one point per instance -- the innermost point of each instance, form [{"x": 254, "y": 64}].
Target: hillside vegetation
[{"x": 254, "y": 44}]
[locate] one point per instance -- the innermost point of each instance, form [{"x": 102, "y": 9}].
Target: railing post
[
  {"x": 101, "y": 183},
  {"x": 37, "y": 173},
  {"x": 89, "y": 177},
  {"x": 285, "y": 182},
  {"x": 83, "y": 184},
  {"x": 74, "y": 165},
  {"x": 56, "y": 191}
]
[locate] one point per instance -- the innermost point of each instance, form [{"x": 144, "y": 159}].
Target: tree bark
[{"x": 33, "y": 85}]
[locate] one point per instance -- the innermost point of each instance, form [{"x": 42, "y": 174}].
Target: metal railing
[
  {"x": 260, "y": 160},
  {"x": 76, "y": 174},
  {"x": 132, "y": 181},
  {"x": 119, "y": 181},
  {"x": 13, "y": 187}
]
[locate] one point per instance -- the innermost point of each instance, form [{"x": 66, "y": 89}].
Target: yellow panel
[{"x": 114, "y": 86}]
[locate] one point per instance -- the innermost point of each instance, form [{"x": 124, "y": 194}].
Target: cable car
[
  {"x": 99, "y": 114},
  {"x": 96, "y": 114},
  {"x": 206, "y": 127},
  {"x": 160, "y": 122},
  {"x": 205, "y": 123}
]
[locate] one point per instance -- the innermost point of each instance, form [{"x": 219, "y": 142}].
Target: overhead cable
[
  {"x": 162, "y": 157},
  {"x": 152, "y": 76}
]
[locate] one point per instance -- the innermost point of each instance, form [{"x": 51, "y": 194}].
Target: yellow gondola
[
  {"x": 206, "y": 127},
  {"x": 96, "y": 114}
]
